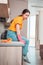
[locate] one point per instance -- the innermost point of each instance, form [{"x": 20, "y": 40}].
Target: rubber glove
[{"x": 20, "y": 39}]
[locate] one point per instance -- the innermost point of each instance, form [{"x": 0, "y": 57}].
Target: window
[{"x": 32, "y": 30}]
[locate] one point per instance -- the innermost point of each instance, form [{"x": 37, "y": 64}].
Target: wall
[
  {"x": 37, "y": 42},
  {"x": 16, "y": 7},
  {"x": 1, "y": 28},
  {"x": 41, "y": 27}
]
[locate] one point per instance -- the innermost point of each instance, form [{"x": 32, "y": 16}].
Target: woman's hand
[{"x": 22, "y": 41}]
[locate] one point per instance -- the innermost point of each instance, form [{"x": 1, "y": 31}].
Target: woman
[{"x": 14, "y": 30}]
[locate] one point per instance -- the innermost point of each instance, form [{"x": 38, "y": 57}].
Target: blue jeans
[{"x": 13, "y": 35}]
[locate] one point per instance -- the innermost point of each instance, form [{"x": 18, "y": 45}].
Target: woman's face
[{"x": 26, "y": 15}]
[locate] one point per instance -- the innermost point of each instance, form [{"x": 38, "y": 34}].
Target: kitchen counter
[
  {"x": 11, "y": 53},
  {"x": 11, "y": 44}
]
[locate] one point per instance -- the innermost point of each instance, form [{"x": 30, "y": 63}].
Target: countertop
[{"x": 11, "y": 44}]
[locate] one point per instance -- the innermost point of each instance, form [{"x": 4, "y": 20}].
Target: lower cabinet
[{"x": 10, "y": 55}]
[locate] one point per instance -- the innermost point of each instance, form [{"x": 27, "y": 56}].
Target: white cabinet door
[{"x": 10, "y": 55}]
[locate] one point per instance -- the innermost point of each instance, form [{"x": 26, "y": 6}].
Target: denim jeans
[{"x": 13, "y": 35}]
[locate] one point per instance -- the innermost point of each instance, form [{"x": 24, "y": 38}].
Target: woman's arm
[{"x": 18, "y": 33}]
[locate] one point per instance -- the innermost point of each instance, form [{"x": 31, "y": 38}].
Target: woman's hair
[{"x": 25, "y": 11}]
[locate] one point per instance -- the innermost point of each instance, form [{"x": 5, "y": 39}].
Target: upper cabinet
[
  {"x": 4, "y": 8},
  {"x": 4, "y": 1}
]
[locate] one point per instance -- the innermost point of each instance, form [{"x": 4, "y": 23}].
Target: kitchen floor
[{"x": 34, "y": 57}]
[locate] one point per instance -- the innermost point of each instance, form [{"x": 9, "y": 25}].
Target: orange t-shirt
[{"x": 17, "y": 20}]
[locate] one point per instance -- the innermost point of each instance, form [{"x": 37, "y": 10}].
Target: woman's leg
[
  {"x": 12, "y": 35},
  {"x": 25, "y": 48}
]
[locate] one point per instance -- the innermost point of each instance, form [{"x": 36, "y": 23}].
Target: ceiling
[
  {"x": 35, "y": 6},
  {"x": 36, "y": 3}
]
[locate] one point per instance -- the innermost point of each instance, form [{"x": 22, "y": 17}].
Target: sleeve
[{"x": 18, "y": 21}]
